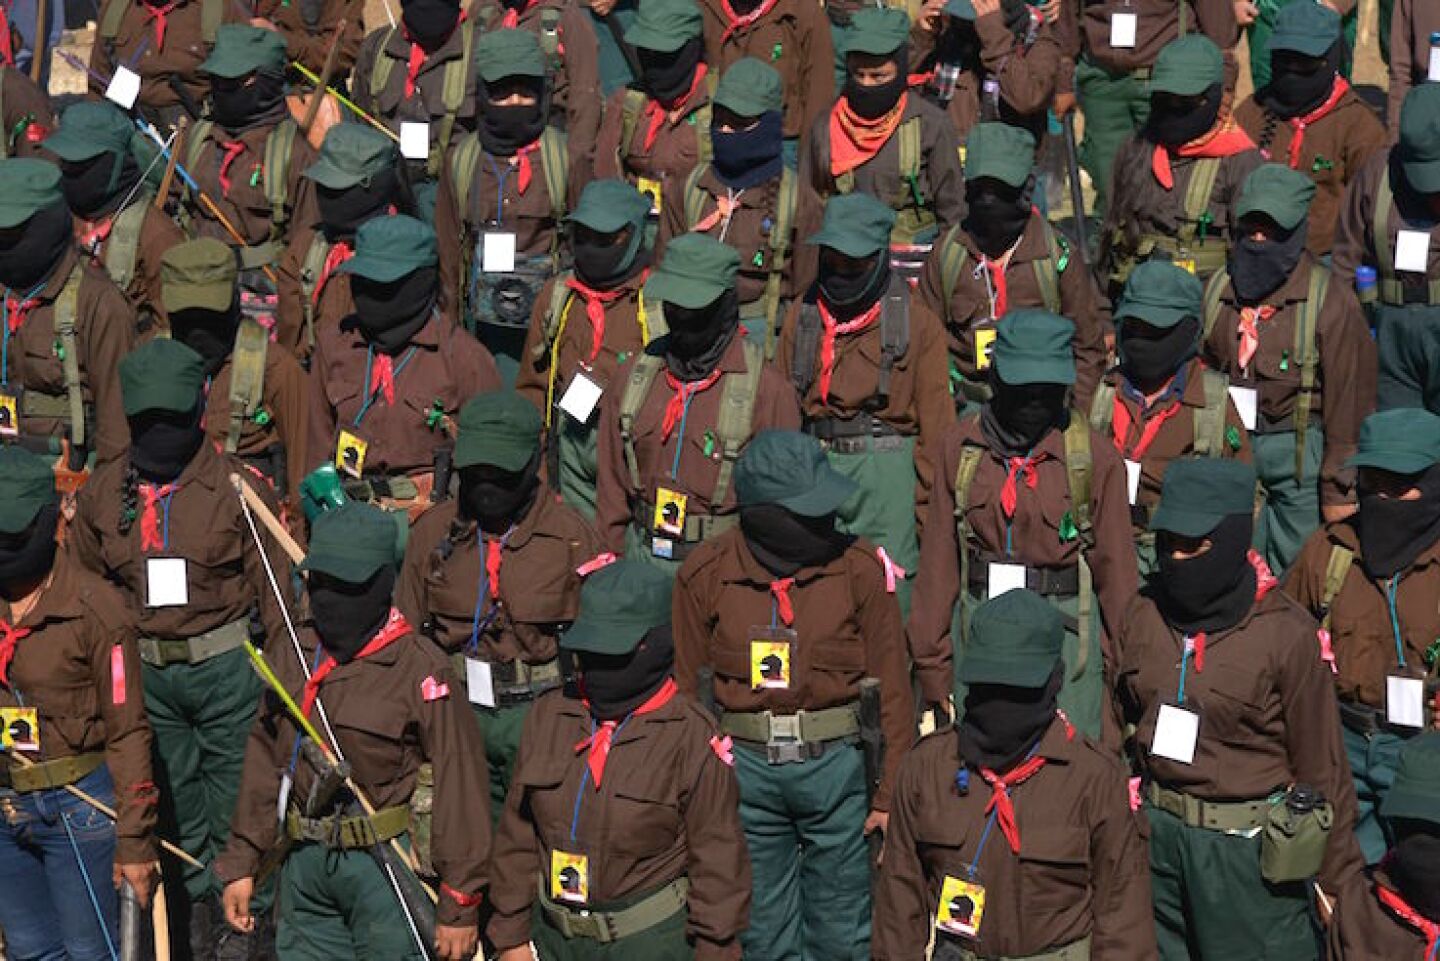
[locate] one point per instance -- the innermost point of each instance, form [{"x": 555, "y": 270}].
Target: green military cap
[
  {"x": 749, "y": 88},
  {"x": 1420, "y": 137},
  {"x": 351, "y": 542},
  {"x": 388, "y": 248},
  {"x": 1034, "y": 347},
  {"x": 876, "y": 30},
  {"x": 199, "y": 273},
  {"x": 241, "y": 49},
  {"x": 1307, "y": 27},
  {"x": 619, "y": 605},
  {"x": 695, "y": 271},
  {"x": 1401, "y": 441},
  {"x": 499, "y": 429},
  {"x": 88, "y": 129},
  {"x": 163, "y": 374},
  {"x": 963, "y": 9},
  {"x": 1187, "y": 67},
  {"x": 1415, "y": 795},
  {"x": 351, "y": 154},
  {"x": 999, "y": 151},
  {"x": 1014, "y": 639},
  {"x": 508, "y": 53},
  {"x": 855, "y": 224},
  {"x": 789, "y": 468},
  {"x": 665, "y": 25},
  {"x": 1160, "y": 294},
  {"x": 1279, "y": 193},
  {"x": 27, "y": 483},
  {"x": 1200, "y": 492},
  {"x": 27, "y": 185},
  {"x": 609, "y": 206}
]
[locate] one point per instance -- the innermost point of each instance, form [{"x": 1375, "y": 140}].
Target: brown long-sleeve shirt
[
  {"x": 330, "y": 296},
  {"x": 847, "y": 628},
  {"x": 158, "y": 233},
  {"x": 79, "y": 668},
  {"x": 239, "y": 189},
  {"x": 25, "y": 113},
  {"x": 1085, "y": 30},
  {"x": 308, "y": 40},
  {"x": 1411, "y": 23},
  {"x": 163, "y": 67},
  {"x": 669, "y": 159},
  {"x": 285, "y": 399},
  {"x": 1344, "y": 380},
  {"x": 1364, "y": 929},
  {"x": 666, "y": 807},
  {"x": 1355, "y": 233},
  {"x": 1082, "y": 869}
]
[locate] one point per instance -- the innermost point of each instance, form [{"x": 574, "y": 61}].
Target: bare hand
[
  {"x": 236, "y": 899},
  {"x": 141, "y": 877},
  {"x": 1333, "y": 513},
  {"x": 1051, "y": 10},
  {"x": 985, "y": 7},
  {"x": 1064, "y": 104},
  {"x": 602, "y": 8},
  {"x": 931, "y": 15},
  {"x": 1245, "y": 12},
  {"x": 520, "y": 952},
  {"x": 264, "y": 24},
  {"x": 877, "y": 821},
  {"x": 456, "y": 943}
]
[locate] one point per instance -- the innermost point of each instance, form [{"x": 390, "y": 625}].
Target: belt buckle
[
  {"x": 784, "y": 746},
  {"x": 150, "y": 651}
]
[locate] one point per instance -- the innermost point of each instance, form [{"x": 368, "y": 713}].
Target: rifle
[
  {"x": 1077, "y": 195},
  {"x": 130, "y": 923},
  {"x": 872, "y": 743}
]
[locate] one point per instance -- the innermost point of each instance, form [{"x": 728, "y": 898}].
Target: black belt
[
  {"x": 1139, "y": 516},
  {"x": 838, "y": 428},
  {"x": 1064, "y": 582}
]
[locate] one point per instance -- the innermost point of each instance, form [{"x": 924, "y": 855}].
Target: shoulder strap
[
  {"x": 965, "y": 470},
  {"x": 1306, "y": 351},
  {"x": 1337, "y": 568},
  {"x": 807, "y": 348},
  {"x": 1049, "y": 268},
  {"x": 247, "y": 379},
  {"x": 779, "y": 240},
  {"x": 630, "y": 108},
  {"x": 910, "y": 151},
  {"x": 1079, "y": 466},
  {"x": 66, "y": 307},
  {"x": 555, "y": 158},
  {"x": 123, "y": 247},
  {"x": 1102, "y": 408},
  {"x": 212, "y": 13},
  {"x": 1198, "y": 191},
  {"x": 550, "y": 37},
  {"x": 199, "y": 137},
  {"x": 559, "y": 294},
  {"x": 310, "y": 270},
  {"x": 1214, "y": 290},
  {"x": 953, "y": 255},
  {"x": 637, "y": 388},
  {"x": 384, "y": 63},
  {"x": 737, "y": 416},
  {"x": 452, "y": 96},
  {"x": 1209, "y": 420},
  {"x": 112, "y": 17},
  {"x": 694, "y": 196},
  {"x": 703, "y": 147},
  {"x": 1390, "y": 291},
  {"x": 894, "y": 334},
  {"x": 279, "y": 150},
  {"x": 462, "y": 171}
]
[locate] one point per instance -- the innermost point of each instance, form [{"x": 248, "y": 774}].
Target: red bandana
[
  {"x": 1122, "y": 426},
  {"x": 1225, "y": 140},
  {"x": 10, "y": 638},
  {"x": 340, "y": 252},
  {"x": 7, "y": 53},
  {"x": 1298, "y": 124},
  {"x": 854, "y": 140},
  {"x": 521, "y": 161},
  {"x": 741, "y": 21},
  {"x": 492, "y": 566},
  {"x": 233, "y": 149},
  {"x": 1195, "y": 646},
  {"x": 675, "y": 407},
  {"x": 996, "y": 270},
  {"x": 1000, "y": 785},
  {"x": 395, "y": 628},
  {"x": 1250, "y": 320},
  {"x": 92, "y": 239},
  {"x": 724, "y": 208},
  {"x": 16, "y": 310},
  {"x": 418, "y": 56},
  {"x": 511, "y": 20},
  {"x": 833, "y": 329},
  {"x": 1009, "y": 495},
  {"x": 781, "y": 590},
  {"x": 160, "y": 15},
  {"x": 595, "y": 301},
  {"x": 151, "y": 537},
  {"x": 1402, "y": 910},
  {"x": 599, "y": 742},
  {"x": 655, "y": 112},
  {"x": 382, "y": 367}
]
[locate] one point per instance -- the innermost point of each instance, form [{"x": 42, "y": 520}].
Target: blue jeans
[{"x": 45, "y": 906}]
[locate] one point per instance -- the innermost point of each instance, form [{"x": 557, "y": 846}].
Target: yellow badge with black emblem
[
  {"x": 569, "y": 877},
  {"x": 21, "y": 731},
  {"x": 962, "y": 903},
  {"x": 770, "y": 657},
  {"x": 652, "y": 189},
  {"x": 9, "y": 416},
  {"x": 984, "y": 343},
  {"x": 350, "y": 452},
  {"x": 669, "y": 520}
]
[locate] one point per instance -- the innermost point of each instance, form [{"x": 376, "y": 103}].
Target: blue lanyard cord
[
  {"x": 1390, "y": 593},
  {"x": 501, "y": 175},
  {"x": 1009, "y": 521},
  {"x": 482, "y": 591},
  {"x": 369, "y": 392},
  {"x": 1184, "y": 663},
  {"x": 165, "y": 514},
  {"x": 585, "y": 774},
  {"x": 974, "y": 865},
  {"x": 680, "y": 437},
  {"x": 774, "y": 612}
]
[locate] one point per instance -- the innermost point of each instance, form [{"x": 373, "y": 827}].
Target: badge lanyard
[
  {"x": 585, "y": 775},
  {"x": 680, "y": 436},
  {"x": 479, "y": 622},
  {"x": 5, "y": 330},
  {"x": 372, "y": 389},
  {"x": 1390, "y": 593},
  {"x": 973, "y": 867},
  {"x": 1193, "y": 643},
  {"x": 165, "y": 521},
  {"x": 501, "y": 175}
]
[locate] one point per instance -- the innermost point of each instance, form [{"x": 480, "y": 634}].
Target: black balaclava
[
  {"x": 429, "y": 22},
  {"x": 603, "y": 266},
  {"x": 96, "y": 186},
  {"x": 1018, "y": 416},
  {"x": 851, "y": 294},
  {"x": 669, "y": 76},
  {"x": 26, "y": 557},
  {"x": 348, "y": 615},
  {"x": 1412, "y": 862},
  {"x": 209, "y": 333},
  {"x": 960, "y": 44},
  {"x": 1211, "y": 592},
  {"x": 495, "y": 498},
  {"x": 1259, "y": 267},
  {"x": 744, "y": 158},
  {"x": 389, "y": 315},
  {"x": 1175, "y": 128},
  {"x": 342, "y": 212},
  {"x": 784, "y": 541},
  {"x": 1003, "y": 722},
  {"x": 163, "y": 442},
  {"x": 1394, "y": 532},
  {"x": 699, "y": 338},
  {"x": 1150, "y": 356},
  {"x": 238, "y": 106},
  {"x": 616, "y": 684},
  {"x": 875, "y": 102},
  {"x": 504, "y": 130},
  {"x": 29, "y": 254},
  {"x": 1300, "y": 84},
  {"x": 997, "y": 214}
]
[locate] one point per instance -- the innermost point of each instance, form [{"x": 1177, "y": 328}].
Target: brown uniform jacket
[
  {"x": 446, "y": 365},
  {"x": 80, "y": 669},
  {"x": 847, "y": 628},
  {"x": 1084, "y": 29},
  {"x": 161, "y": 68},
  {"x": 794, "y": 38},
  {"x": 245, "y": 204},
  {"x": 919, "y": 403},
  {"x": 330, "y": 300},
  {"x": 971, "y": 309},
  {"x": 1363, "y": 929},
  {"x": 1040, "y": 513},
  {"x": 1355, "y": 233},
  {"x": 286, "y": 403},
  {"x": 309, "y": 41},
  {"x": 1267, "y": 712},
  {"x": 617, "y": 499},
  {"x": 391, "y": 712},
  {"x": 105, "y": 331},
  {"x": 671, "y": 157},
  {"x": 1082, "y": 868},
  {"x": 158, "y": 233},
  {"x": 1345, "y": 377},
  {"x": 1332, "y": 152},
  {"x": 27, "y": 117},
  {"x": 1362, "y": 638},
  {"x": 666, "y": 808},
  {"x": 427, "y": 103},
  {"x": 1411, "y": 24},
  {"x": 441, "y": 582}
]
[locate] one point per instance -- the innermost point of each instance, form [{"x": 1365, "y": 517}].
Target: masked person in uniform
[
  {"x": 389, "y": 707},
  {"x": 492, "y": 576},
  {"x": 503, "y": 198},
  {"x": 1371, "y": 580},
  {"x": 672, "y": 432},
  {"x": 1238, "y": 737},
  {"x": 357, "y": 177},
  {"x": 1015, "y": 812},
  {"x": 385, "y": 381},
  {"x": 164, "y": 522},
  {"x": 66, "y": 326},
  {"x": 69, "y": 670},
  {"x": 1284, "y": 332},
  {"x": 1003, "y": 256},
  {"x": 868, "y": 363},
  {"x": 309, "y": 29},
  {"x": 1026, "y": 495},
  {"x": 1176, "y": 181},
  {"x": 587, "y": 322},
  {"x": 25, "y": 112},
  {"x": 790, "y": 589},
  {"x": 1308, "y": 118},
  {"x": 1161, "y": 403}
]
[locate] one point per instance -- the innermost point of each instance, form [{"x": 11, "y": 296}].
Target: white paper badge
[
  {"x": 1122, "y": 30},
  {"x": 1412, "y": 251},
  {"x": 480, "y": 680},
  {"x": 123, "y": 88},
  {"x": 1132, "y": 480},
  {"x": 580, "y": 398},
  {"x": 1405, "y": 701},
  {"x": 1246, "y": 404},
  {"x": 1176, "y": 731},
  {"x": 1005, "y": 577},
  {"x": 1434, "y": 74},
  {"x": 165, "y": 582},
  {"x": 414, "y": 140},
  {"x": 498, "y": 254}
]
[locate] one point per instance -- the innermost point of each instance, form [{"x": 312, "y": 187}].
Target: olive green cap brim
[
  {"x": 1188, "y": 67},
  {"x": 27, "y": 186},
  {"x": 619, "y": 605},
  {"x": 27, "y": 484},
  {"x": 351, "y": 543},
  {"x": 498, "y": 428}
]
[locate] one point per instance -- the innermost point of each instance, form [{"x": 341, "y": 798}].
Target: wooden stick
[
  {"x": 176, "y": 145},
  {"x": 160, "y": 921},
  {"x": 326, "y": 72},
  {"x": 42, "y": 33},
  {"x": 267, "y": 517}
]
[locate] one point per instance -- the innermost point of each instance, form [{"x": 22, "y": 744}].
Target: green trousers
[
  {"x": 1211, "y": 904},
  {"x": 665, "y": 941},
  {"x": 506, "y": 345},
  {"x": 1387, "y": 15},
  {"x": 1290, "y": 509},
  {"x": 577, "y": 463},
  {"x": 339, "y": 904},
  {"x": 1116, "y": 105},
  {"x": 1258, "y": 37},
  {"x": 1407, "y": 340},
  {"x": 883, "y": 510},
  {"x": 804, "y": 827},
  {"x": 501, "y": 727},
  {"x": 1372, "y": 769}
]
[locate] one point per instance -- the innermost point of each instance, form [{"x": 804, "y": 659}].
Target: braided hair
[{"x": 129, "y": 499}]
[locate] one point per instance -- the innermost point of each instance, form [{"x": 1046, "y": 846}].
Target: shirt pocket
[
  {"x": 1054, "y": 869},
  {"x": 1233, "y": 708},
  {"x": 376, "y": 740},
  {"x": 645, "y": 821}
]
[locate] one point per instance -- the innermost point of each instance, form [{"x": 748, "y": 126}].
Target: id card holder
[
  {"x": 1176, "y": 733},
  {"x": 480, "y": 682},
  {"x": 497, "y": 253},
  {"x": 771, "y": 653},
  {"x": 124, "y": 87},
  {"x": 1123, "y": 27},
  {"x": 415, "y": 140},
  {"x": 1405, "y": 701},
  {"x": 9, "y": 414},
  {"x": 350, "y": 450},
  {"x": 569, "y": 877},
  {"x": 962, "y": 906},
  {"x": 1002, "y": 578},
  {"x": 1247, "y": 404},
  {"x": 984, "y": 344},
  {"x": 1412, "y": 251},
  {"x": 167, "y": 582},
  {"x": 581, "y": 396},
  {"x": 669, "y": 519},
  {"x": 653, "y": 190},
  {"x": 1132, "y": 481},
  {"x": 21, "y": 731}
]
